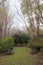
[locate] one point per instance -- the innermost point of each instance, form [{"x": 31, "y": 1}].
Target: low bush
[
  {"x": 41, "y": 43},
  {"x": 21, "y": 39},
  {"x": 37, "y": 46},
  {"x": 6, "y": 44}
]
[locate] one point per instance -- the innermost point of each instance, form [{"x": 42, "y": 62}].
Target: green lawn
[{"x": 21, "y": 56}]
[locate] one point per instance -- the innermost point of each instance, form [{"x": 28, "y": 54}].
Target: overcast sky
[
  {"x": 17, "y": 21},
  {"x": 13, "y": 4}
]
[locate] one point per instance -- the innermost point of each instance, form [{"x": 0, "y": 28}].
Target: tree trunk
[
  {"x": 0, "y": 32},
  {"x": 37, "y": 31}
]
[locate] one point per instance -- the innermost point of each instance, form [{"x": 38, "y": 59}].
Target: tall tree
[
  {"x": 32, "y": 10},
  {"x": 3, "y": 19}
]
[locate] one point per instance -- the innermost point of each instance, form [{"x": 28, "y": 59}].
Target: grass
[{"x": 21, "y": 56}]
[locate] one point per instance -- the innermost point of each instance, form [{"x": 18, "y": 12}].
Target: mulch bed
[
  {"x": 6, "y": 53},
  {"x": 2, "y": 54},
  {"x": 37, "y": 58}
]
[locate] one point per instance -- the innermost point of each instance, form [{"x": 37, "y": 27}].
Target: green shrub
[
  {"x": 21, "y": 39},
  {"x": 41, "y": 43},
  {"x": 37, "y": 46},
  {"x": 6, "y": 44}
]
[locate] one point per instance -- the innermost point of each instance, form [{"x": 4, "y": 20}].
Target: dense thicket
[{"x": 21, "y": 39}]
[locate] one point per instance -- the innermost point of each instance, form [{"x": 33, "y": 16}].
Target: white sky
[{"x": 17, "y": 20}]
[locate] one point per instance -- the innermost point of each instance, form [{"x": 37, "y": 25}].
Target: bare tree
[
  {"x": 3, "y": 19},
  {"x": 30, "y": 8}
]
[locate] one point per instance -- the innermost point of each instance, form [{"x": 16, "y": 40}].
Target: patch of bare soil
[
  {"x": 37, "y": 58},
  {"x": 2, "y": 54},
  {"x": 6, "y": 53}
]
